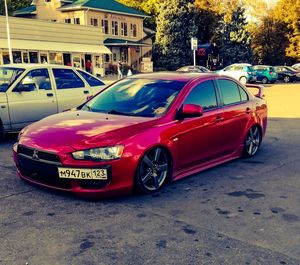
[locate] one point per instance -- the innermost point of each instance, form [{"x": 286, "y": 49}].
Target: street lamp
[{"x": 8, "y": 33}]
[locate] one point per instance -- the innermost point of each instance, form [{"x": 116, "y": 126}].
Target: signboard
[{"x": 194, "y": 43}]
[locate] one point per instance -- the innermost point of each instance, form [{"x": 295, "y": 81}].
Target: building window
[
  {"x": 114, "y": 57},
  {"x": 104, "y": 25},
  {"x": 124, "y": 29},
  {"x": 47, "y": 1},
  {"x": 107, "y": 59},
  {"x": 68, "y": 20},
  {"x": 94, "y": 22},
  {"x": 55, "y": 58},
  {"x": 114, "y": 28},
  {"x": 77, "y": 21},
  {"x": 133, "y": 31}
]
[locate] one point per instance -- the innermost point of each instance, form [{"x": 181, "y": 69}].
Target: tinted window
[
  {"x": 204, "y": 95},
  {"x": 38, "y": 78},
  {"x": 136, "y": 97},
  {"x": 67, "y": 78},
  {"x": 92, "y": 81},
  {"x": 230, "y": 91},
  {"x": 244, "y": 95}
]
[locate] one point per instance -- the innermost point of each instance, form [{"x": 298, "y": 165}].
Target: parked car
[
  {"x": 30, "y": 92},
  {"x": 242, "y": 72},
  {"x": 293, "y": 70},
  {"x": 265, "y": 74},
  {"x": 285, "y": 74},
  {"x": 193, "y": 69},
  {"x": 296, "y": 66},
  {"x": 141, "y": 132}
]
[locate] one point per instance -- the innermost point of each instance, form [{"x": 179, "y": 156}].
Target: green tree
[
  {"x": 13, "y": 5},
  {"x": 269, "y": 42},
  {"x": 175, "y": 28},
  {"x": 233, "y": 38}
]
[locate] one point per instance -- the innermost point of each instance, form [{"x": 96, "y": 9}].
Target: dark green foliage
[
  {"x": 175, "y": 28},
  {"x": 13, "y": 5}
]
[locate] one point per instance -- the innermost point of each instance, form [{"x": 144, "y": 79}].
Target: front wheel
[
  {"x": 286, "y": 79},
  {"x": 243, "y": 80},
  {"x": 252, "y": 142},
  {"x": 153, "y": 170}
]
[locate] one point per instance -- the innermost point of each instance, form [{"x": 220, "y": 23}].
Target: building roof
[
  {"x": 30, "y": 10},
  {"x": 103, "y": 5}
]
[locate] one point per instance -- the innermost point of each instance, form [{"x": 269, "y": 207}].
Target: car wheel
[
  {"x": 265, "y": 80},
  {"x": 286, "y": 79},
  {"x": 252, "y": 142},
  {"x": 1, "y": 131},
  {"x": 243, "y": 80},
  {"x": 153, "y": 170}
]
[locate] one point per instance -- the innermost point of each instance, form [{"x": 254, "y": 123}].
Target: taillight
[{"x": 270, "y": 72}]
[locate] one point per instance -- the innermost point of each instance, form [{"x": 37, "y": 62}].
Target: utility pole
[{"x": 8, "y": 33}]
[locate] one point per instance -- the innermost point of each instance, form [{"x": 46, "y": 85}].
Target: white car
[
  {"x": 30, "y": 92},
  {"x": 240, "y": 71}
]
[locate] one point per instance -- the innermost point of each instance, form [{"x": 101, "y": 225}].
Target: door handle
[
  {"x": 86, "y": 92},
  {"x": 248, "y": 110},
  {"x": 49, "y": 94}
]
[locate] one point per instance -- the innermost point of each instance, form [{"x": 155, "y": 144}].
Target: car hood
[{"x": 82, "y": 129}]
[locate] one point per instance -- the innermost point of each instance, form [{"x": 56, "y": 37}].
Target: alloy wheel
[
  {"x": 252, "y": 142},
  {"x": 153, "y": 170}
]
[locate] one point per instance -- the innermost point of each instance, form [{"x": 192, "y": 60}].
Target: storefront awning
[
  {"x": 120, "y": 42},
  {"x": 54, "y": 46}
]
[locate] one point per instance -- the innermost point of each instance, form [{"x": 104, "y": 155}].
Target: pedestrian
[
  {"x": 120, "y": 75},
  {"x": 88, "y": 66}
]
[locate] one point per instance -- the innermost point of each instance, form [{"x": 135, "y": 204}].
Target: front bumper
[{"x": 45, "y": 174}]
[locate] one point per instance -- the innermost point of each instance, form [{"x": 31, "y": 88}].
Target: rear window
[{"x": 92, "y": 81}]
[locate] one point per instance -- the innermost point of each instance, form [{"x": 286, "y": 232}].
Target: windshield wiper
[{"x": 120, "y": 113}]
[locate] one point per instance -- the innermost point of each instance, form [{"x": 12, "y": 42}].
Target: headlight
[{"x": 103, "y": 153}]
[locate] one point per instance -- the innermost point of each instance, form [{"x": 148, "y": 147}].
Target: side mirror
[
  {"x": 190, "y": 110},
  {"x": 26, "y": 85}
]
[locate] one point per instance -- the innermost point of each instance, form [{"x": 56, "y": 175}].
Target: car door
[
  {"x": 71, "y": 90},
  {"x": 236, "y": 113},
  {"x": 199, "y": 137},
  {"x": 96, "y": 85},
  {"x": 32, "y": 98}
]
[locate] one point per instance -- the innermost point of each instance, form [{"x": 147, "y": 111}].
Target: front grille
[
  {"x": 42, "y": 172},
  {"x": 46, "y": 156}
]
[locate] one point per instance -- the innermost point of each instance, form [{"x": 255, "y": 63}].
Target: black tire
[
  {"x": 153, "y": 171},
  {"x": 1, "y": 131},
  {"x": 286, "y": 79},
  {"x": 252, "y": 142},
  {"x": 265, "y": 80}
]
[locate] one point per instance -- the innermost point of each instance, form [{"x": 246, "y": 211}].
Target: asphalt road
[{"x": 243, "y": 212}]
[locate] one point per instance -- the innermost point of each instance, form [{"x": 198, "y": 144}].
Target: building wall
[{"x": 47, "y": 11}]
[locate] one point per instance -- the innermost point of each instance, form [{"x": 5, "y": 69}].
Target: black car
[{"x": 285, "y": 74}]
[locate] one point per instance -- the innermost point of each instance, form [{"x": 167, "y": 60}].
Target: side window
[
  {"x": 244, "y": 95},
  {"x": 66, "y": 79},
  {"x": 204, "y": 95},
  {"x": 230, "y": 91},
  {"x": 92, "y": 81},
  {"x": 36, "y": 79}
]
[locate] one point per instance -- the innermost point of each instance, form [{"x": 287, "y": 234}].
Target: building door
[
  {"x": 67, "y": 59},
  {"x": 88, "y": 66}
]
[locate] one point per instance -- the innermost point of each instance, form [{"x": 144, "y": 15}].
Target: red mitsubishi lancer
[{"x": 142, "y": 132}]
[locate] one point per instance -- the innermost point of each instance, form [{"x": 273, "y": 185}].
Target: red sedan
[{"x": 141, "y": 132}]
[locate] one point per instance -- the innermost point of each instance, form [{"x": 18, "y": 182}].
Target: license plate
[{"x": 82, "y": 173}]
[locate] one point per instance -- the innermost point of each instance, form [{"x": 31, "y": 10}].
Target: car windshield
[
  {"x": 7, "y": 77},
  {"x": 136, "y": 97}
]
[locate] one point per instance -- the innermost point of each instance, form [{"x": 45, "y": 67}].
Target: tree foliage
[
  {"x": 175, "y": 28},
  {"x": 13, "y": 5},
  {"x": 234, "y": 39}
]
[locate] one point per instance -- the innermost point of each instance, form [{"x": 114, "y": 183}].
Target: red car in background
[{"x": 141, "y": 132}]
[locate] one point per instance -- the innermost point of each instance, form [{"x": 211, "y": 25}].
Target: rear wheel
[
  {"x": 286, "y": 79},
  {"x": 153, "y": 170},
  {"x": 265, "y": 80},
  {"x": 252, "y": 142},
  {"x": 243, "y": 80}
]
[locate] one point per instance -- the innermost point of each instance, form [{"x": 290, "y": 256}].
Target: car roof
[
  {"x": 36, "y": 65},
  {"x": 262, "y": 65},
  {"x": 174, "y": 76},
  {"x": 242, "y": 64}
]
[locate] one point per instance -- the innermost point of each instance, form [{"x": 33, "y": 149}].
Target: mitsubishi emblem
[{"x": 35, "y": 155}]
